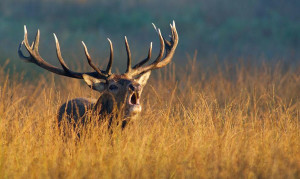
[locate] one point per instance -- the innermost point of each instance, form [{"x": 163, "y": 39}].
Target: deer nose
[{"x": 134, "y": 87}]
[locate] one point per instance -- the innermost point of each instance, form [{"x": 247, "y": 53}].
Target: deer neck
[{"x": 105, "y": 104}]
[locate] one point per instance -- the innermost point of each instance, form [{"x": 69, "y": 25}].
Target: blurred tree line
[{"x": 232, "y": 28}]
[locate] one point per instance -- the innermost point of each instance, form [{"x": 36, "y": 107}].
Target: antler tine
[
  {"x": 174, "y": 32},
  {"x": 128, "y": 56},
  {"x": 36, "y": 41},
  {"x": 162, "y": 47},
  {"x": 58, "y": 53},
  {"x": 111, "y": 57},
  {"x": 20, "y": 53},
  {"x": 27, "y": 46},
  {"x": 89, "y": 59},
  {"x": 25, "y": 41},
  {"x": 145, "y": 60}
]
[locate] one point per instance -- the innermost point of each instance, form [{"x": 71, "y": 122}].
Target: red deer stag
[{"x": 117, "y": 91}]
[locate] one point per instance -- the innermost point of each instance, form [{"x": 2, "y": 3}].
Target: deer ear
[
  {"x": 94, "y": 83},
  {"x": 142, "y": 79}
]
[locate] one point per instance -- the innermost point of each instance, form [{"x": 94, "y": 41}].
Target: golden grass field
[{"x": 233, "y": 121}]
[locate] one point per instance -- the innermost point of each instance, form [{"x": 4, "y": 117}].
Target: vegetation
[
  {"x": 232, "y": 112},
  {"x": 239, "y": 121}
]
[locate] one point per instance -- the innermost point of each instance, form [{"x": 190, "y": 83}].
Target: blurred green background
[{"x": 231, "y": 29}]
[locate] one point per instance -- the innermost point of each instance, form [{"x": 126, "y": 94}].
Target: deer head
[{"x": 123, "y": 89}]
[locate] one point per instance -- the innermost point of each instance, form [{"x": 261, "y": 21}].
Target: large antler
[
  {"x": 159, "y": 62},
  {"x": 34, "y": 57}
]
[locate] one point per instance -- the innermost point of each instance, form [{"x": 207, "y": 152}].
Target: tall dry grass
[{"x": 231, "y": 121}]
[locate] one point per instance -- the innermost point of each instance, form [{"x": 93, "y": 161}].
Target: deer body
[
  {"x": 118, "y": 92},
  {"x": 127, "y": 99},
  {"x": 75, "y": 109}
]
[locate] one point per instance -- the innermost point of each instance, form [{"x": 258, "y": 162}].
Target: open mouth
[
  {"x": 134, "y": 106},
  {"x": 134, "y": 99}
]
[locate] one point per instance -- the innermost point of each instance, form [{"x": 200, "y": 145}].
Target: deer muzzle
[{"x": 134, "y": 106}]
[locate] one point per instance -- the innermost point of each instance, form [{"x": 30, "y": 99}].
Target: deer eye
[{"x": 113, "y": 87}]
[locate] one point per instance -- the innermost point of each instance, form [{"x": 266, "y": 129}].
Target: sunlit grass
[{"x": 230, "y": 122}]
